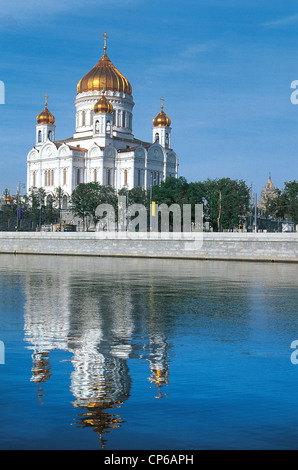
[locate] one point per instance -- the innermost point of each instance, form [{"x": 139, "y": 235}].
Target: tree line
[
  {"x": 35, "y": 208},
  {"x": 226, "y": 202}
]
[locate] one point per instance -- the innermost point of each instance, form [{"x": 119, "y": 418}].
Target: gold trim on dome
[{"x": 104, "y": 75}]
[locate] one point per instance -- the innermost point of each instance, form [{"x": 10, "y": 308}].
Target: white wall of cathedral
[
  {"x": 156, "y": 165},
  {"x": 103, "y": 128},
  {"x": 68, "y": 177},
  {"x": 51, "y": 166},
  {"x": 122, "y": 103},
  {"x": 44, "y": 132},
  {"x": 172, "y": 165},
  {"x": 162, "y": 135}
]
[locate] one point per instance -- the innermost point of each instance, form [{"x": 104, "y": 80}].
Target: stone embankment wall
[{"x": 209, "y": 246}]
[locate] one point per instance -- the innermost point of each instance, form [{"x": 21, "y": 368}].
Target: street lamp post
[
  {"x": 256, "y": 199},
  {"x": 18, "y": 204}
]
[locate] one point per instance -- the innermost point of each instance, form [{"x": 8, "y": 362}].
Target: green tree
[
  {"x": 8, "y": 209},
  {"x": 226, "y": 203},
  {"x": 275, "y": 206},
  {"x": 35, "y": 205},
  {"x": 135, "y": 195},
  {"x": 58, "y": 198},
  {"x": 196, "y": 194},
  {"x": 171, "y": 191},
  {"x": 87, "y": 196},
  {"x": 290, "y": 200}
]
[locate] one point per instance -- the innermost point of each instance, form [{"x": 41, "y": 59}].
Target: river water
[{"x": 111, "y": 353}]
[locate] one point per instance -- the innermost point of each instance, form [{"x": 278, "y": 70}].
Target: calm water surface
[{"x": 147, "y": 354}]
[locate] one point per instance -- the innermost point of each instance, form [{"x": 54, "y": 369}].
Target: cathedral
[{"x": 103, "y": 148}]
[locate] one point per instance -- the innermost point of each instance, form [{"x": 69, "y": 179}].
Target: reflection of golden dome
[
  {"x": 104, "y": 75},
  {"x": 161, "y": 120},
  {"x": 45, "y": 117},
  {"x": 103, "y": 105}
]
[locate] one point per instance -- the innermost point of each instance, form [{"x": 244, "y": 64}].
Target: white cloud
[
  {"x": 186, "y": 59},
  {"x": 20, "y": 9},
  {"x": 193, "y": 50},
  {"x": 287, "y": 20}
]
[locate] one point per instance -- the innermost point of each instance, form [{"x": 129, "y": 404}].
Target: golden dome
[
  {"x": 103, "y": 105},
  {"x": 45, "y": 117},
  {"x": 161, "y": 120},
  {"x": 104, "y": 75}
]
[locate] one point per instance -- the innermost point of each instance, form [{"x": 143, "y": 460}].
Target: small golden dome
[
  {"x": 45, "y": 117},
  {"x": 103, "y": 105},
  {"x": 161, "y": 120},
  {"x": 104, "y": 75}
]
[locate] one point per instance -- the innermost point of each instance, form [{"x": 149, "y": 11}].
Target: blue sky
[{"x": 224, "y": 67}]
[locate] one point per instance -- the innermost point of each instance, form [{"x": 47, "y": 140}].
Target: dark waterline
[{"x": 147, "y": 354}]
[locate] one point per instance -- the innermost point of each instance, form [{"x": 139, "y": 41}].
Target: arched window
[
  {"x": 108, "y": 177},
  {"x": 64, "y": 203},
  {"x": 50, "y": 135},
  {"x": 83, "y": 118},
  {"x": 108, "y": 127},
  {"x": 39, "y": 136},
  {"x": 157, "y": 137},
  {"x": 167, "y": 139},
  {"x": 139, "y": 177},
  {"x": 97, "y": 127},
  {"x": 123, "y": 119}
]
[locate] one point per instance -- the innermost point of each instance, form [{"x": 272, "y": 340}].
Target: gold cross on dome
[
  {"x": 105, "y": 36},
  {"x": 162, "y": 100},
  {"x": 46, "y": 97}
]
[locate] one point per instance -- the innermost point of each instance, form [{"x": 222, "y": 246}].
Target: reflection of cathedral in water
[{"x": 95, "y": 324}]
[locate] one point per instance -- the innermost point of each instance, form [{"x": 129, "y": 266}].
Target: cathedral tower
[
  {"x": 104, "y": 76},
  {"x": 161, "y": 128},
  {"x": 103, "y": 120},
  {"x": 45, "y": 127}
]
